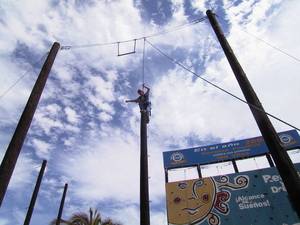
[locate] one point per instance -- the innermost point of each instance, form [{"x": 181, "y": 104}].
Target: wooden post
[
  {"x": 35, "y": 194},
  {"x": 144, "y": 186},
  {"x": 14, "y": 148},
  {"x": 62, "y": 203},
  {"x": 283, "y": 162}
]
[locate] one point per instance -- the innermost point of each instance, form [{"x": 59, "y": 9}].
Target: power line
[
  {"x": 176, "y": 28},
  {"x": 143, "y": 72},
  {"x": 21, "y": 77},
  {"x": 173, "y": 29},
  {"x": 272, "y": 46},
  {"x": 220, "y": 88}
]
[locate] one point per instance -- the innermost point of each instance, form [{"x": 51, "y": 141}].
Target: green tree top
[{"x": 93, "y": 218}]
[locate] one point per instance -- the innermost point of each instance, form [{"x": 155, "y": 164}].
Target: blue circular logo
[
  {"x": 177, "y": 157},
  {"x": 285, "y": 138}
]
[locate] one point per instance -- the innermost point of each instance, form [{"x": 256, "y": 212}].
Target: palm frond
[
  {"x": 79, "y": 219},
  {"x": 109, "y": 222},
  {"x": 92, "y": 218}
]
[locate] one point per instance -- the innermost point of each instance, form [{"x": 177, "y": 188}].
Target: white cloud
[
  {"x": 23, "y": 173},
  {"x": 184, "y": 107},
  {"x": 19, "y": 215},
  {"x": 24, "y": 22},
  {"x": 64, "y": 73},
  {"x": 71, "y": 128},
  {"x": 69, "y": 142},
  {"x": 178, "y": 11},
  {"x": 42, "y": 148},
  {"x": 159, "y": 217},
  {"x": 273, "y": 75},
  {"x": 131, "y": 215},
  {"x": 103, "y": 116},
  {"x": 13, "y": 98},
  {"x": 46, "y": 123},
  {"x": 102, "y": 88},
  {"x": 4, "y": 221},
  {"x": 53, "y": 109},
  {"x": 199, "y": 5},
  {"x": 72, "y": 116},
  {"x": 117, "y": 154},
  {"x": 128, "y": 215},
  {"x": 156, "y": 172}
]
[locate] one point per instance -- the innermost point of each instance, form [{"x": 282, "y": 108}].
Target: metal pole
[
  {"x": 12, "y": 153},
  {"x": 270, "y": 160},
  {"x": 144, "y": 188},
  {"x": 166, "y": 175},
  {"x": 284, "y": 164},
  {"x": 236, "y": 169},
  {"x": 62, "y": 203},
  {"x": 35, "y": 193},
  {"x": 199, "y": 171}
]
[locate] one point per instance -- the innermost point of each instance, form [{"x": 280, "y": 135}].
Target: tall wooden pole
[
  {"x": 12, "y": 153},
  {"x": 283, "y": 162},
  {"x": 35, "y": 193},
  {"x": 144, "y": 188},
  {"x": 62, "y": 203}
]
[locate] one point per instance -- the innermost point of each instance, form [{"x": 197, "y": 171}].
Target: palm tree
[{"x": 93, "y": 218}]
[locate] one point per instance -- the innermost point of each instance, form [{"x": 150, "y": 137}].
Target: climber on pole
[
  {"x": 143, "y": 101},
  {"x": 144, "y": 104}
]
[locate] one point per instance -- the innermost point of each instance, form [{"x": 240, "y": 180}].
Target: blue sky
[{"x": 82, "y": 126}]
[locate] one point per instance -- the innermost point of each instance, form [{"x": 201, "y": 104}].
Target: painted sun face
[
  {"x": 190, "y": 201},
  {"x": 194, "y": 201}
]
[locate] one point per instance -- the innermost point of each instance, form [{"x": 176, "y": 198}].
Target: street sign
[{"x": 227, "y": 151}]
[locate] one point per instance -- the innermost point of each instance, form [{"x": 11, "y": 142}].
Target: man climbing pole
[
  {"x": 144, "y": 104},
  {"x": 143, "y": 101}
]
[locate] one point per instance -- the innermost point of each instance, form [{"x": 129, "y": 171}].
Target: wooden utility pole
[
  {"x": 12, "y": 153},
  {"x": 283, "y": 162},
  {"x": 144, "y": 186},
  {"x": 35, "y": 194},
  {"x": 62, "y": 203}
]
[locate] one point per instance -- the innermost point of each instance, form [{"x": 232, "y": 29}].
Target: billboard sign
[
  {"x": 250, "y": 198},
  {"x": 227, "y": 151}
]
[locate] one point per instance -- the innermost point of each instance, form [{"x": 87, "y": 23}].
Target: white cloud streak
[{"x": 99, "y": 169}]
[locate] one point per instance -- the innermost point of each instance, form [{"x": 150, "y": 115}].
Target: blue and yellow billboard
[
  {"x": 249, "y": 198},
  {"x": 227, "y": 151}
]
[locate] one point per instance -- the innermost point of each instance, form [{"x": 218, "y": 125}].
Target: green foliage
[{"x": 93, "y": 218}]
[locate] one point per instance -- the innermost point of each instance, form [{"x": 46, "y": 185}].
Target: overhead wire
[
  {"x": 143, "y": 72},
  {"x": 179, "y": 27},
  {"x": 272, "y": 46},
  {"x": 22, "y": 76},
  {"x": 220, "y": 88},
  {"x": 176, "y": 28},
  {"x": 173, "y": 29}
]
